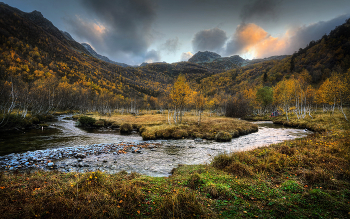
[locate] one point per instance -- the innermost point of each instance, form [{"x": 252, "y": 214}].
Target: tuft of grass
[
  {"x": 194, "y": 181},
  {"x": 99, "y": 123},
  {"x": 86, "y": 121},
  {"x": 181, "y": 204},
  {"x": 223, "y": 136},
  {"x": 126, "y": 128}
]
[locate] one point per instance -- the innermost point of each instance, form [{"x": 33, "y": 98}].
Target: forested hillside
[{"x": 42, "y": 71}]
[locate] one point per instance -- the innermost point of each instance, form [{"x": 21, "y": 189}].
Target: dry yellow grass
[{"x": 154, "y": 125}]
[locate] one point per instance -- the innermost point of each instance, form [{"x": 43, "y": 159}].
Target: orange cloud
[
  {"x": 252, "y": 40},
  {"x": 99, "y": 28},
  {"x": 250, "y": 34}
]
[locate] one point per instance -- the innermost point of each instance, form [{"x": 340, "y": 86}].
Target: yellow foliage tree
[{"x": 180, "y": 95}]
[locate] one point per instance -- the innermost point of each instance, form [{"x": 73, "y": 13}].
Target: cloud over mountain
[
  {"x": 171, "y": 45},
  {"x": 185, "y": 56},
  {"x": 211, "y": 40},
  {"x": 260, "y": 10},
  {"x": 116, "y": 27}
]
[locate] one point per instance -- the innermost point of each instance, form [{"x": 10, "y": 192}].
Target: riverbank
[
  {"x": 302, "y": 178},
  {"x": 16, "y": 121}
]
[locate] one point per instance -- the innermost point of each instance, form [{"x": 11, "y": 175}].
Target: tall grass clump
[{"x": 86, "y": 121}]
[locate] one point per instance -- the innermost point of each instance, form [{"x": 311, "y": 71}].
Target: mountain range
[{"x": 32, "y": 49}]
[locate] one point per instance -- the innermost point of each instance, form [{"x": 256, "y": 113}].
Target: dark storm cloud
[
  {"x": 171, "y": 45},
  {"x": 116, "y": 26},
  {"x": 304, "y": 34},
  {"x": 211, "y": 40},
  {"x": 152, "y": 56},
  {"x": 260, "y": 9}
]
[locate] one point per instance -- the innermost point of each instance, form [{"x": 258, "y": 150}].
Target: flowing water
[{"x": 107, "y": 150}]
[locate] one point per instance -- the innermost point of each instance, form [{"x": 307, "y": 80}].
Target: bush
[
  {"x": 86, "y": 121},
  {"x": 125, "y": 128}
]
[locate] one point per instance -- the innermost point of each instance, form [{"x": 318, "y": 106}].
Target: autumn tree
[
  {"x": 335, "y": 90},
  {"x": 264, "y": 97},
  {"x": 199, "y": 101},
  {"x": 180, "y": 95}
]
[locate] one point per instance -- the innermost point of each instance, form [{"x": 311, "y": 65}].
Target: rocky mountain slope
[
  {"x": 215, "y": 61},
  {"x": 101, "y": 57}
]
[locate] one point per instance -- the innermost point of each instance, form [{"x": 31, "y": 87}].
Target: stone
[
  {"x": 198, "y": 140},
  {"x": 51, "y": 164},
  {"x": 80, "y": 155}
]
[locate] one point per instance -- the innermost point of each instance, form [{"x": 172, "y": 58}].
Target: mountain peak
[
  {"x": 36, "y": 14},
  {"x": 205, "y": 56}
]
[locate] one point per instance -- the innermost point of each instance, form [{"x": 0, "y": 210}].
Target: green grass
[{"x": 302, "y": 178}]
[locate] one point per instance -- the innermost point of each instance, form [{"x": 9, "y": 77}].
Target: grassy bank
[
  {"x": 302, "y": 178},
  {"x": 15, "y": 121},
  {"x": 155, "y": 126}
]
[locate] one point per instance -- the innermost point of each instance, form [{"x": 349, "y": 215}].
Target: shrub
[{"x": 86, "y": 121}]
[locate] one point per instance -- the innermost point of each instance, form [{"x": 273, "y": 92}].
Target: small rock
[
  {"x": 51, "y": 164},
  {"x": 198, "y": 140},
  {"x": 79, "y": 155}
]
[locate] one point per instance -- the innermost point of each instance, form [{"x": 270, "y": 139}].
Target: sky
[{"x": 136, "y": 31}]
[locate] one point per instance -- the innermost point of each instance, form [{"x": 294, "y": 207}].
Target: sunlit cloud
[
  {"x": 99, "y": 28},
  {"x": 185, "y": 56}
]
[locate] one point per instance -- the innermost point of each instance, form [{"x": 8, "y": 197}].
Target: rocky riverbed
[
  {"x": 71, "y": 158},
  {"x": 71, "y": 149}
]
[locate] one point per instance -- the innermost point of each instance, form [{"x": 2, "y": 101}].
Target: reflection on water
[
  {"x": 155, "y": 162},
  {"x": 61, "y": 133}
]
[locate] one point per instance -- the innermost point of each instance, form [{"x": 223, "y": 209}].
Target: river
[{"x": 67, "y": 148}]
